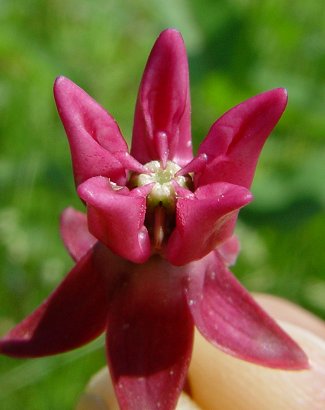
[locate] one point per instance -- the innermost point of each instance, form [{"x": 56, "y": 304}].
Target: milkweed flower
[{"x": 153, "y": 251}]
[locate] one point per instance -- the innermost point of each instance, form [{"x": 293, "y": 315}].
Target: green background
[{"x": 236, "y": 49}]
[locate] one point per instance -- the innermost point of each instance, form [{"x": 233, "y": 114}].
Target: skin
[{"x": 219, "y": 381}]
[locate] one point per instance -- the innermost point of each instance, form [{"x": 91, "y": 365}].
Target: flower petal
[
  {"x": 162, "y": 116},
  {"x": 229, "y": 250},
  {"x": 234, "y": 142},
  {"x": 117, "y": 218},
  {"x": 74, "y": 232},
  {"x": 150, "y": 335},
  {"x": 227, "y": 315},
  {"x": 209, "y": 216},
  {"x": 93, "y": 134},
  {"x": 73, "y": 315}
]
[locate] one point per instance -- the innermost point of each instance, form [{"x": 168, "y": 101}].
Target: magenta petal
[
  {"x": 73, "y": 315},
  {"x": 93, "y": 134},
  {"x": 117, "y": 218},
  {"x": 228, "y": 316},
  {"x": 74, "y": 232},
  {"x": 149, "y": 340},
  {"x": 209, "y": 216},
  {"x": 234, "y": 142},
  {"x": 229, "y": 250},
  {"x": 162, "y": 128}
]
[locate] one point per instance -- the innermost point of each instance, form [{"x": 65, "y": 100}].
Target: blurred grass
[{"x": 236, "y": 49}]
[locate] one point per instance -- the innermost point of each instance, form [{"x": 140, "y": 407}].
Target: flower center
[
  {"x": 161, "y": 200},
  {"x": 163, "y": 190}
]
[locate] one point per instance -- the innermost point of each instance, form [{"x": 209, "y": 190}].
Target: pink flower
[{"x": 152, "y": 254}]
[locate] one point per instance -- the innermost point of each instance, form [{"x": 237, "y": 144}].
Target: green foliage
[{"x": 237, "y": 48}]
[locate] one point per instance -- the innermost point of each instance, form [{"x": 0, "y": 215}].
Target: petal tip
[
  {"x": 67, "y": 212},
  {"x": 248, "y": 197},
  {"x": 60, "y": 87},
  {"x": 171, "y": 33},
  {"x": 280, "y": 96},
  {"x": 241, "y": 196},
  {"x": 299, "y": 360},
  {"x": 283, "y": 92},
  {"x": 60, "y": 81},
  {"x": 303, "y": 363},
  {"x": 171, "y": 39}
]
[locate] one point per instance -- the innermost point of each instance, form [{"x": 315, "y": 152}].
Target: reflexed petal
[
  {"x": 116, "y": 218},
  {"x": 149, "y": 340},
  {"x": 73, "y": 315},
  {"x": 74, "y": 232},
  {"x": 93, "y": 134},
  {"x": 163, "y": 105},
  {"x": 209, "y": 216},
  {"x": 228, "y": 316},
  {"x": 234, "y": 142}
]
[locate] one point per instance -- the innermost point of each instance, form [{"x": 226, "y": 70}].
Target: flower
[{"x": 152, "y": 254}]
